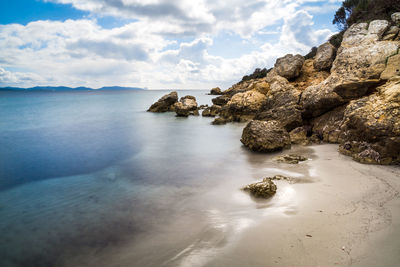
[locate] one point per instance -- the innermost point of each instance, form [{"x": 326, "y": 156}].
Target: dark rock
[
  {"x": 290, "y": 158},
  {"x": 326, "y": 54},
  {"x": 216, "y": 91},
  {"x": 265, "y": 136},
  {"x": 264, "y": 189},
  {"x": 299, "y": 136},
  {"x": 212, "y": 111},
  {"x": 165, "y": 103},
  {"x": 328, "y": 126},
  {"x": 221, "y": 100}
]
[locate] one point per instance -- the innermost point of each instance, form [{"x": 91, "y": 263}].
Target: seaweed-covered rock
[
  {"x": 165, "y": 103},
  {"x": 265, "y": 136},
  {"x": 264, "y": 189},
  {"x": 289, "y": 66}
]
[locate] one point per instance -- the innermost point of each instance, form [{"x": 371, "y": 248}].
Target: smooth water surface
[{"x": 92, "y": 179}]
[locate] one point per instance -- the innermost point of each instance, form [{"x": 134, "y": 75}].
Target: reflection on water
[{"x": 90, "y": 179}]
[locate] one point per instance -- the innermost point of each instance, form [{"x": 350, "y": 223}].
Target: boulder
[
  {"x": 325, "y": 56},
  {"x": 289, "y": 66},
  {"x": 212, "y": 111},
  {"x": 221, "y": 100},
  {"x": 186, "y": 106},
  {"x": 371, "y": 126},
  {"x": 165, "y": 103},
  {"x": 216, "y": 91},
  {"x": 290, "y": 159},
  {"x": 265, "y": 136},
  {"x": 247, "y": 103},
  {"x": 392, "y": 68},
  {"x": 264, "y": 189},
  {"x": 396, "y": 18}
]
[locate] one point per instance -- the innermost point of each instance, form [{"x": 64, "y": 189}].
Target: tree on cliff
[{"x": 354, "y": 11}]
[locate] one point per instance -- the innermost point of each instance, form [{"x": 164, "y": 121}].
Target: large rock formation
[
  {"x": 289, "y": 66},
  {"x": 186, "y": 106},
  {"x": 371, "y": 126},
  {"x": 265, "y": 136},
  {"x": 165, "y": 103}
]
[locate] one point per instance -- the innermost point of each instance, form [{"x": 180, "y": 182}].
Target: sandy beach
[{"x": 347, "y": 216}]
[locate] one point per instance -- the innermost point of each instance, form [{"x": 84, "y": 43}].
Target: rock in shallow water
[
  {"x": 290, "y": 158},
  {"x": 265, "y": 136},
  {"x": 186, "y": 106},
  {"x": 264, "y": 189},
  {"x": 165, "y": 103}
]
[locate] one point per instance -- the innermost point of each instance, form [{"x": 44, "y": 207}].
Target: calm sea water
[{"x": 91, "y": 179}]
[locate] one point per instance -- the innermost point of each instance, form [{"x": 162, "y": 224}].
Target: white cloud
[{"x": 150, "y": 52}]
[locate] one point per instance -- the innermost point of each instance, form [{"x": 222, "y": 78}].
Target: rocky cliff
[{"x": 349, "y": 96}]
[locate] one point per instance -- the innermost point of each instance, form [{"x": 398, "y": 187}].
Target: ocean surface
[{"x": 92, "y": 179}]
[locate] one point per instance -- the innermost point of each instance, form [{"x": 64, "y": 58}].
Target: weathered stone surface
[
  {"x": 355, "y": 72},
  {"x": 289, "y": 66},
  {"x": 186, "y": 106},
  {"x": 391, "y": 33},
  {"x": 265, "y": 136},
  {"x": 246, "y": 103},
  {"x": 392, "y": 68},
  {"x": 165, "y": 103},
  {"x": 299, "y": 136},
  {"x": 221, "y": 100},
  {"x": 216, "y": 91},
  {"x": 288, "y": 116},
  {"x": 396, "y": 18},
  {"x": 264, "y": 189},
  {"x": 328, "y": 126},
  {"x": 212, "y": 111},
  {"x": 325, "y": 56},
  {"x": 290, "y": 158},
  {"x": 371, "y": 127}
]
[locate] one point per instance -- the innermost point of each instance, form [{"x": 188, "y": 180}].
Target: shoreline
[{"x": 345, "y": 218}]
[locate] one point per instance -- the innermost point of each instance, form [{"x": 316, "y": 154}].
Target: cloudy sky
[{"x": 158, "y": 44}]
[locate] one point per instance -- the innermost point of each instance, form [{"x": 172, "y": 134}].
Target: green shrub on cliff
[
  {"x": 257, "y": 74},
  {"x": 355, "y": 11}
]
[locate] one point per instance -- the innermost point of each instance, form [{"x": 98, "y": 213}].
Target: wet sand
[{"x": 348, "y": 216}]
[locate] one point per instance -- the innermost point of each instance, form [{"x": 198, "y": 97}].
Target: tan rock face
[
  {"x": 299, "y": 136},
  {"x": 246, "y": 103},
  {"x": 392, "y": 68},
  {"x": 186, "y": 106},
  {"x": 371, "y": 128},
  {"x": 265, "y": 136}
]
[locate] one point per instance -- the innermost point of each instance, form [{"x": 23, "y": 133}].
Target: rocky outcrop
[
  {"x": 325, "y": 56},
  {"x": 212, "y": 111},
  {"x": 215, "y": 91},
  {"x": 299, "y": 136},
  {"x": 221, "y": 100},
  {"x": 289, "y": 66},
  {"x": 265, "y": 136},
  {"x": 165, "y": 103},
  {"x": 392, "y": 68},
  {"x": 371, "y": 126},
  {"x": 264, "y": 189},
  {"x": 186, "y": 106}
]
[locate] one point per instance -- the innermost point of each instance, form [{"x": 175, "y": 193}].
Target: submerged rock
[
  {"x": 265, "y": 136},
  {"x": 289, "y": 66},
  {"x": 165, "y": 103},
  {"x": 290, "y": 158},
  {"x": 264, "y": 189}
]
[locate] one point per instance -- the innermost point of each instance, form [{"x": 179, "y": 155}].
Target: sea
[{"x": 92, "y": 179}]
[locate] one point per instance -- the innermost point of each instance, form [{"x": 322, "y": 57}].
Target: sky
[{"x": 154, "y": 44}]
